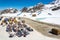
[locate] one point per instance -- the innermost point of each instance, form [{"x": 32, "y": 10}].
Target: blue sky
[{"x": 20, "y": 3}]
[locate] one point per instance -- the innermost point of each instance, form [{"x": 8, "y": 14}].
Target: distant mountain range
[
  {"x": 9, "y": 10},
  {"x": 32, "y": 9}
]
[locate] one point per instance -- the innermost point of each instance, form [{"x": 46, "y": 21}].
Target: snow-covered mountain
[
  {"x": 9, "y": 10},
  {"x": 35, "y": 8},
  {"x": 39, "y": 6},
  {"x": 38, "y": 11},
  {"x": 49, "y": 13},
  {"x": 57, "y": 2}
]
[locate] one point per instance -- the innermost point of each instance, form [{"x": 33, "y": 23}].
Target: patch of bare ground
[{"x": 42, "y": 27}]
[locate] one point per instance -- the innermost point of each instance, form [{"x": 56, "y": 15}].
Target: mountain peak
[{"x": 57, "y": 2}]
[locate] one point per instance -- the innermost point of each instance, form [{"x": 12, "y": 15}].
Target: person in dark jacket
[
  {"x": 9, "y": 30},
  {"x": 18, "y": 32},
  {"x": 1, "y": 18},
  {"x": 27, "y": 28}
]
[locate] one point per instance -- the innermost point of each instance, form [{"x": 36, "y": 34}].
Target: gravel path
[{"x": 42, "y": 27}]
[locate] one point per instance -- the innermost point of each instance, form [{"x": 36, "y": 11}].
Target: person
[
  {"x": 27, "y": 28},
  {"x": 1, "y": 18},
  {"x": 3, "y": 21},
  {"x": 6, "y": 20},
  {"x": 9, "y": 30},
  {"x": 14, "y": 27},
  {"x": 10, "y": 21},
  {"x": 15, "y": 21},
  {"x": 11, "y": 35},
  {"x": 24, "y": 32},
  {"x": 18, "y": 32},
  {"x": 19, "y": 25},
  {"x": 49, "y": 14},
  {"x": 23, "y": 21}
]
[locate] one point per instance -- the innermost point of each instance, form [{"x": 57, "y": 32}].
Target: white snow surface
[
  {"x": 32, "y": 36},
  {"x": 54, "y": 18}
]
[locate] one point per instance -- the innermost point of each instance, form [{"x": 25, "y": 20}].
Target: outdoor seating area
[{"x": 15, "y": 26}]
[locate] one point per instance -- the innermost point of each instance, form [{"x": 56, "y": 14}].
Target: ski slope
[
  {"x": 32, "y": 36},
  {"x": 54, "y": 18}
]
